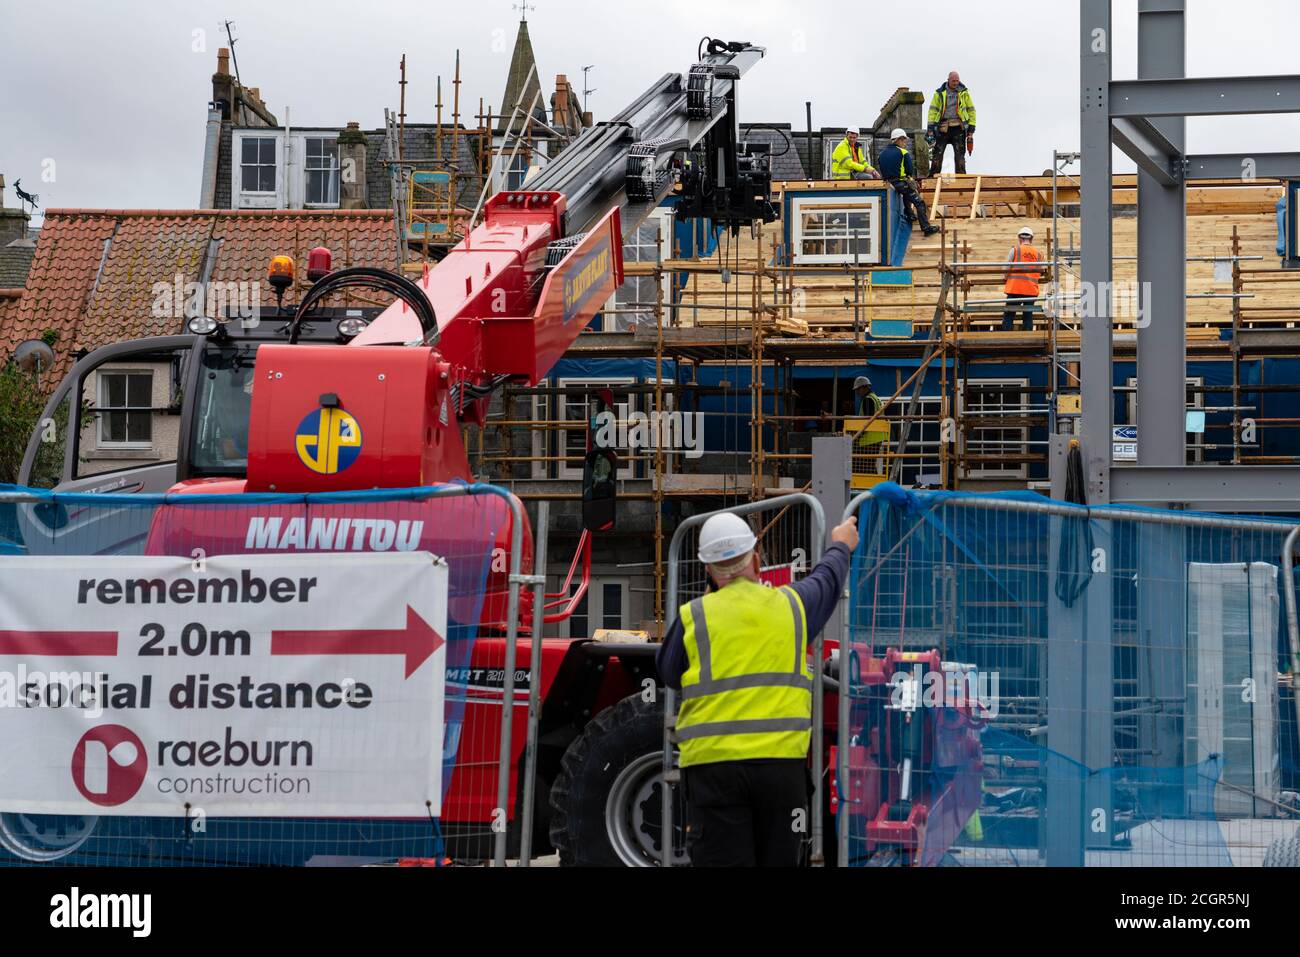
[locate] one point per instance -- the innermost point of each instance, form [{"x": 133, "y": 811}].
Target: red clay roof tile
[{"x": 94, "y": 274}]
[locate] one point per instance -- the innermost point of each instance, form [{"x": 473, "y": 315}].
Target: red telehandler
[
  {"x": 387, "y": 394},
  {"x": 381, "y": 396}
]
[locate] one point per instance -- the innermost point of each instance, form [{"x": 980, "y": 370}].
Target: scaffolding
[
  {"x": 750, "y": 319},
  {"x": 427, "y": 199}
]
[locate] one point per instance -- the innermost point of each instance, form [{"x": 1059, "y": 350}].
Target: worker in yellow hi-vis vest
[
  {"x": 849, "y": 159},
  {"x": 739, "y": 655},
  {"x": 868, "y": 448}
]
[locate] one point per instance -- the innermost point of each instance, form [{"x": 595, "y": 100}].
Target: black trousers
[
  {"x": 913, "y": 204},
  {"x": 747, "y": 813},
  {"x": 955, "y": 137},
  {"x": 1025, "y": 306}
]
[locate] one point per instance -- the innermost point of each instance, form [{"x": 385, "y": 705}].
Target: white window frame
[
  {"x": 336, "y": 169},
  {"x": 872, "y": 205},
  {"x": 571, "y": 471},
  {"x": 981, "y": 446},
  {"x": 931, "y": 451},
  {"x": 671, "y": 457},
  {"x": 633, "y": 252},
  {"x": 512, "y": 173},
  {"x": 237, "y": 161},
  {"x": 103, "y": 408},
  {"x": 595, "y": 597}
]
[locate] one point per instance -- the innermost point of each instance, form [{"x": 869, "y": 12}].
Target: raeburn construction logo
[
  {"x": 328, "y": 441},
  {"x": 109, "y": 764}
]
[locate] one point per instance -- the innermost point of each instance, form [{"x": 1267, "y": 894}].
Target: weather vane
[
  {"x": 523, "y": 9},
  {"x": 25, "y": 197}
]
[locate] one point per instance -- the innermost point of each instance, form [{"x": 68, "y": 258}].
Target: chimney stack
[
  {"x": 352, "y": 157},
  {"x": 560, "y": 106}
]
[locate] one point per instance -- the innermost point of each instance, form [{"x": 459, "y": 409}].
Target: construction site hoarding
[{"x": 250, "y": 685}]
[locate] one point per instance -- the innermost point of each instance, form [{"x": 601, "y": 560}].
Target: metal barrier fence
[
  {"x": 1113, "y": 686},
  {"x": 791, "y": 532},
  {"x": 482, "y": 775}
]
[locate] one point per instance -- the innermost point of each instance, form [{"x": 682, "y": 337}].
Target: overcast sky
[{"x": 103, "y": 104}]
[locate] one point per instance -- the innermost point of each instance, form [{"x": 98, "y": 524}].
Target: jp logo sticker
[
  {"x": 328, "y": 441},
  {"x": 109, "y": 765}
]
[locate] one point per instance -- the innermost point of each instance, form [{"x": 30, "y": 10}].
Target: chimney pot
[{"x": 223, "y": 62}]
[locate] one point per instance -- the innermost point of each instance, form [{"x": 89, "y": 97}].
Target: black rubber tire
[
  {"x": 610, "y": 742},
  {"x": 1284, "y": 852}
]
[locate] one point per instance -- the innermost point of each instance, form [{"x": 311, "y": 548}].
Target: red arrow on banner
[
  {"x": 417, "y": 641},
  {"x": 58, "y": 644}
]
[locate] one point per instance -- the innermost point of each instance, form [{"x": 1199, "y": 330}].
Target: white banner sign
[
  {"x": 278, "y": 686},
  {"x": 1124, "y": 442}
]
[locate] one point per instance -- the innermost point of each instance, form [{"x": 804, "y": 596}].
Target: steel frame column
[
  {"x": 1080, "y": 688},
  {"x": 1162, "y": 248},
  {"x": 1096, "y": 245},
  {"x": 1162, "y": 391}
]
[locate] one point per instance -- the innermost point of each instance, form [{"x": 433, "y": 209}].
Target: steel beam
[
  {"x": 1079, "y": 636},
  {"x": 1205, "y": 96},
  {"x": 1147, "y": 146},
  {"x": 1161, "y": 388},
  {"x": 1242, "y": 489},
  {"x": 1244, "y": 166},
  {"x": 1162, "y": 246},
  {"x": 1096, "y": 243}
]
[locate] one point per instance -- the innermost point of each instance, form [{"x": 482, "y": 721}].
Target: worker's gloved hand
[
  {"x": 846, "y": 534},
  {"x": 930, "y": 137}
]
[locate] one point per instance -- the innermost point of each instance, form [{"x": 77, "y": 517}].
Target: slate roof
[
  {"x": 419, "y": 149},
  {"x": 786, "y": 164},
  {"x": 15, "y": 261},
  {"x": 523, "y": 66},
  {"x": 94, "y": 271}
]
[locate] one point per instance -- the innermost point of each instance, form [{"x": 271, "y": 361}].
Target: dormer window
[{"x": 257, "y": 164}]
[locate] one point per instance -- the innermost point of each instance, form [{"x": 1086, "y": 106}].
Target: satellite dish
[{"x": 34, "y": 356}]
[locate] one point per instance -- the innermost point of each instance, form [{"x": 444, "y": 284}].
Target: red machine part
[
  {"x": 325, "y": 418},
  {"x": 287, "y": 528},
  {"x": 914, "y": 777},
  {"x": 473, "y": 786},
  {"x": 320, "y": 261},
  {"x": 501, "y": 311}
]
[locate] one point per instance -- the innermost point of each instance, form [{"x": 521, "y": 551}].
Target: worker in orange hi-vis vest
[{"x": 1022, "y": 283}]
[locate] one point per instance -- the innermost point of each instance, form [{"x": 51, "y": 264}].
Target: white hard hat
[
  {"x": 861, "y": 382},
  {"x": 1026, "y": 231},
  {"x": 725, "y": 537},
  {"x": 897, "y": 133}
]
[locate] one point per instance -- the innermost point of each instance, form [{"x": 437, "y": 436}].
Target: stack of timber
[{"x": 743, "y": 283}]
